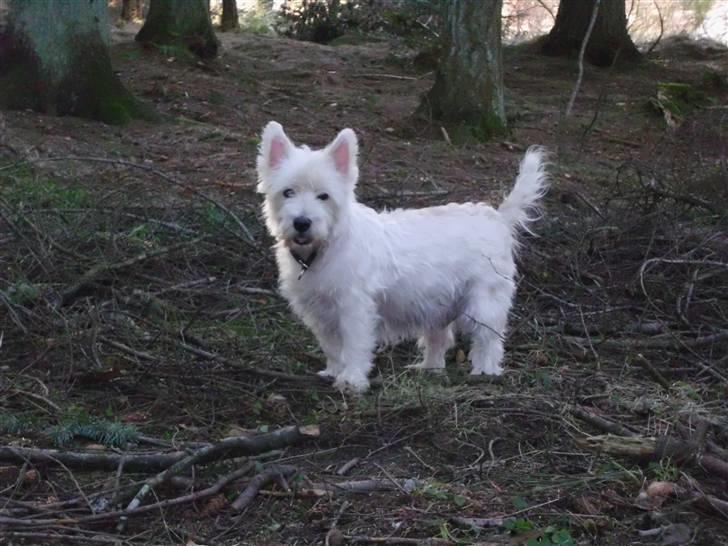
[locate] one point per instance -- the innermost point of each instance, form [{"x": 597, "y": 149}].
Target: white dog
[{"x": 358, "y": 278}]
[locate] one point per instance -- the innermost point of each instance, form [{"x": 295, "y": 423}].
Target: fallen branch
[
  {"x": 479, "y": 523},
  {"x": 269, "y": 475},
  {"x": 361, "y": 539},
  {"x": 226, "y": 449},
  {"x": 601, "y": 423},
  {"x": 360, "y": 487},
  {"x": 656, "y": 448}
]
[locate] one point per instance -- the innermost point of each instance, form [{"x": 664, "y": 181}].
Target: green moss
[
  {"x": 89, "y": 89},
  {"x": 180, "y": 24},
  {"x": 93, "y": 90},
  {"x": 490, "y": 126},
  {"x": 676, "y": 100}
]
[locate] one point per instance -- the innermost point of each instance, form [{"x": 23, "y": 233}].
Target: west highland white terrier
[{"x": 358, "y": 278}]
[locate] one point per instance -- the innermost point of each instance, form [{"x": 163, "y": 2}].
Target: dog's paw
[
  {"x": 327, "y": 374},
  {"x": 353, "y": 383}
]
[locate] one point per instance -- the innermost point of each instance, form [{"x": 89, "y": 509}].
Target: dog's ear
[
  {"x": 343, "y": 151},
  {"x": 275, "y": 146}
]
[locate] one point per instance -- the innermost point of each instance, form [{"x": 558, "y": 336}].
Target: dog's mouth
[{"x": 302, "y": 240}]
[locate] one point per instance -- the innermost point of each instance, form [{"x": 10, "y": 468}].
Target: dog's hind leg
[
  {"x": 485, "y": 318},
  {"x": 435, "y": 344}
]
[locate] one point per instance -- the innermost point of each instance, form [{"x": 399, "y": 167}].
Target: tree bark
[
  {"x": 180, "y": 23},
  {"x": 229, "y": 20},
  {"x": 131, "y": 10},
  {"x": 54, "y": 58},
  {"x": 609, "y": 39},
  {"x": 469, "y": 83}
]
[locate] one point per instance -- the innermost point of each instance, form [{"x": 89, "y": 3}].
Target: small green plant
[
  {"x": 551, "y": 535},
  {"x": 439, "y": 492},
  {"x": 517, "y": 526},
  {"x": 46, "y": 193},
  {"x": 664, "y": 470},
  {"x": 13, "y": 424},
  {"x": 216, "y": 219},
  {"x": 77, "y": 422},
  {"x": 22, "y": 293}
]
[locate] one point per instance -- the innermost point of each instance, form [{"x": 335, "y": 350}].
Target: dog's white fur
[{"x": 384, "y": 277}]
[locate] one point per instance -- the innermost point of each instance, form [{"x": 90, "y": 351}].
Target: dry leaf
[{"x": 214, "y": 505}]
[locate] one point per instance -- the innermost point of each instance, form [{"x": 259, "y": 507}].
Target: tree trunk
[
  {"x": 609, "y": 39},
  {"x": 180, "y": 23},
  {"x": 229, "y": 20},
  {"x": 54, "y": 58},
  {"x": 131, "y": 10},
  {"x": 468, "y": 86}
]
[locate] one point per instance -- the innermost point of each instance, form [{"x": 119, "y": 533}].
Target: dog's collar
[{"x": 304, "y": 263}]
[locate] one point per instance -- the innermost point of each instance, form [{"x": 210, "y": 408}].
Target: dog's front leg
[
  {"x": 357, "y": 328},
  {"x": 330, "y": 343}
]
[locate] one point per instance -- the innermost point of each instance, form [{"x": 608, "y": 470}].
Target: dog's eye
[
  {"x": 323, "y": 196},
  {"x": 288, "y": 193}
]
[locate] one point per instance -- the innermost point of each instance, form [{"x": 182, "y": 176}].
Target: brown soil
[{"x": 627, "y": 262}]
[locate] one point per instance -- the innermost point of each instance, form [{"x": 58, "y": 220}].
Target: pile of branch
[
  {"x": 168, "y": 466},
  {"x": 695, "y": 451}
]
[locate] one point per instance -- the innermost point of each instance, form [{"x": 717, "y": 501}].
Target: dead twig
[
  {"x": 93, "y": 274},
  {"x": 584, "y": 43},
  {"x": 662, "y": 29},
  {"x": 654, "y": 372}
]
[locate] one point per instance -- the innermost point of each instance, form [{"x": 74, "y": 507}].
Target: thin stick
[
  {"x": 584, "y": 43},
  {"x": 98, "y": 270}
]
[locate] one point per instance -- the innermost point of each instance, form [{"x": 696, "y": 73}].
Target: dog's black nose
[{"x": 301, "y": 224}]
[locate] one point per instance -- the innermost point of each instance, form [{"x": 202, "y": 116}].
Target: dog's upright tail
[{"x": 531, "y": 185}]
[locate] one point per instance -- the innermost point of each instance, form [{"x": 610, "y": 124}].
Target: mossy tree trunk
[
  {"x": 468, "y": 86},
  {"x": 180, "y": 23},
  {"x": 54, "y": 58},
  {"x": 229, "y": 20},
  {"x": 609, "y": 38}
]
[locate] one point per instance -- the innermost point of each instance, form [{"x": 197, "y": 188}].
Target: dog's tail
[{"x": 531, "y": 185}]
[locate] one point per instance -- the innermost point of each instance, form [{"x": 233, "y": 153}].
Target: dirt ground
[{"x": 131, "y": 294}]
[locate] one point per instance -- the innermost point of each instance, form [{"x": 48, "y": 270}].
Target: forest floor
[{"x": 136, "y": 311}]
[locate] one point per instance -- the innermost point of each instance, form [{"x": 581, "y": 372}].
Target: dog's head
[{"x": 307, "y": 192}]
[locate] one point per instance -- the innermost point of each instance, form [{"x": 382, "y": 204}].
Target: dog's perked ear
[
  {"x": 343, "y": 151},
  {"x": 275, "y": 147}
]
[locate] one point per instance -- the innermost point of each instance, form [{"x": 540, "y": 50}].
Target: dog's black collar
[{"x": 304, "y": 263}]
